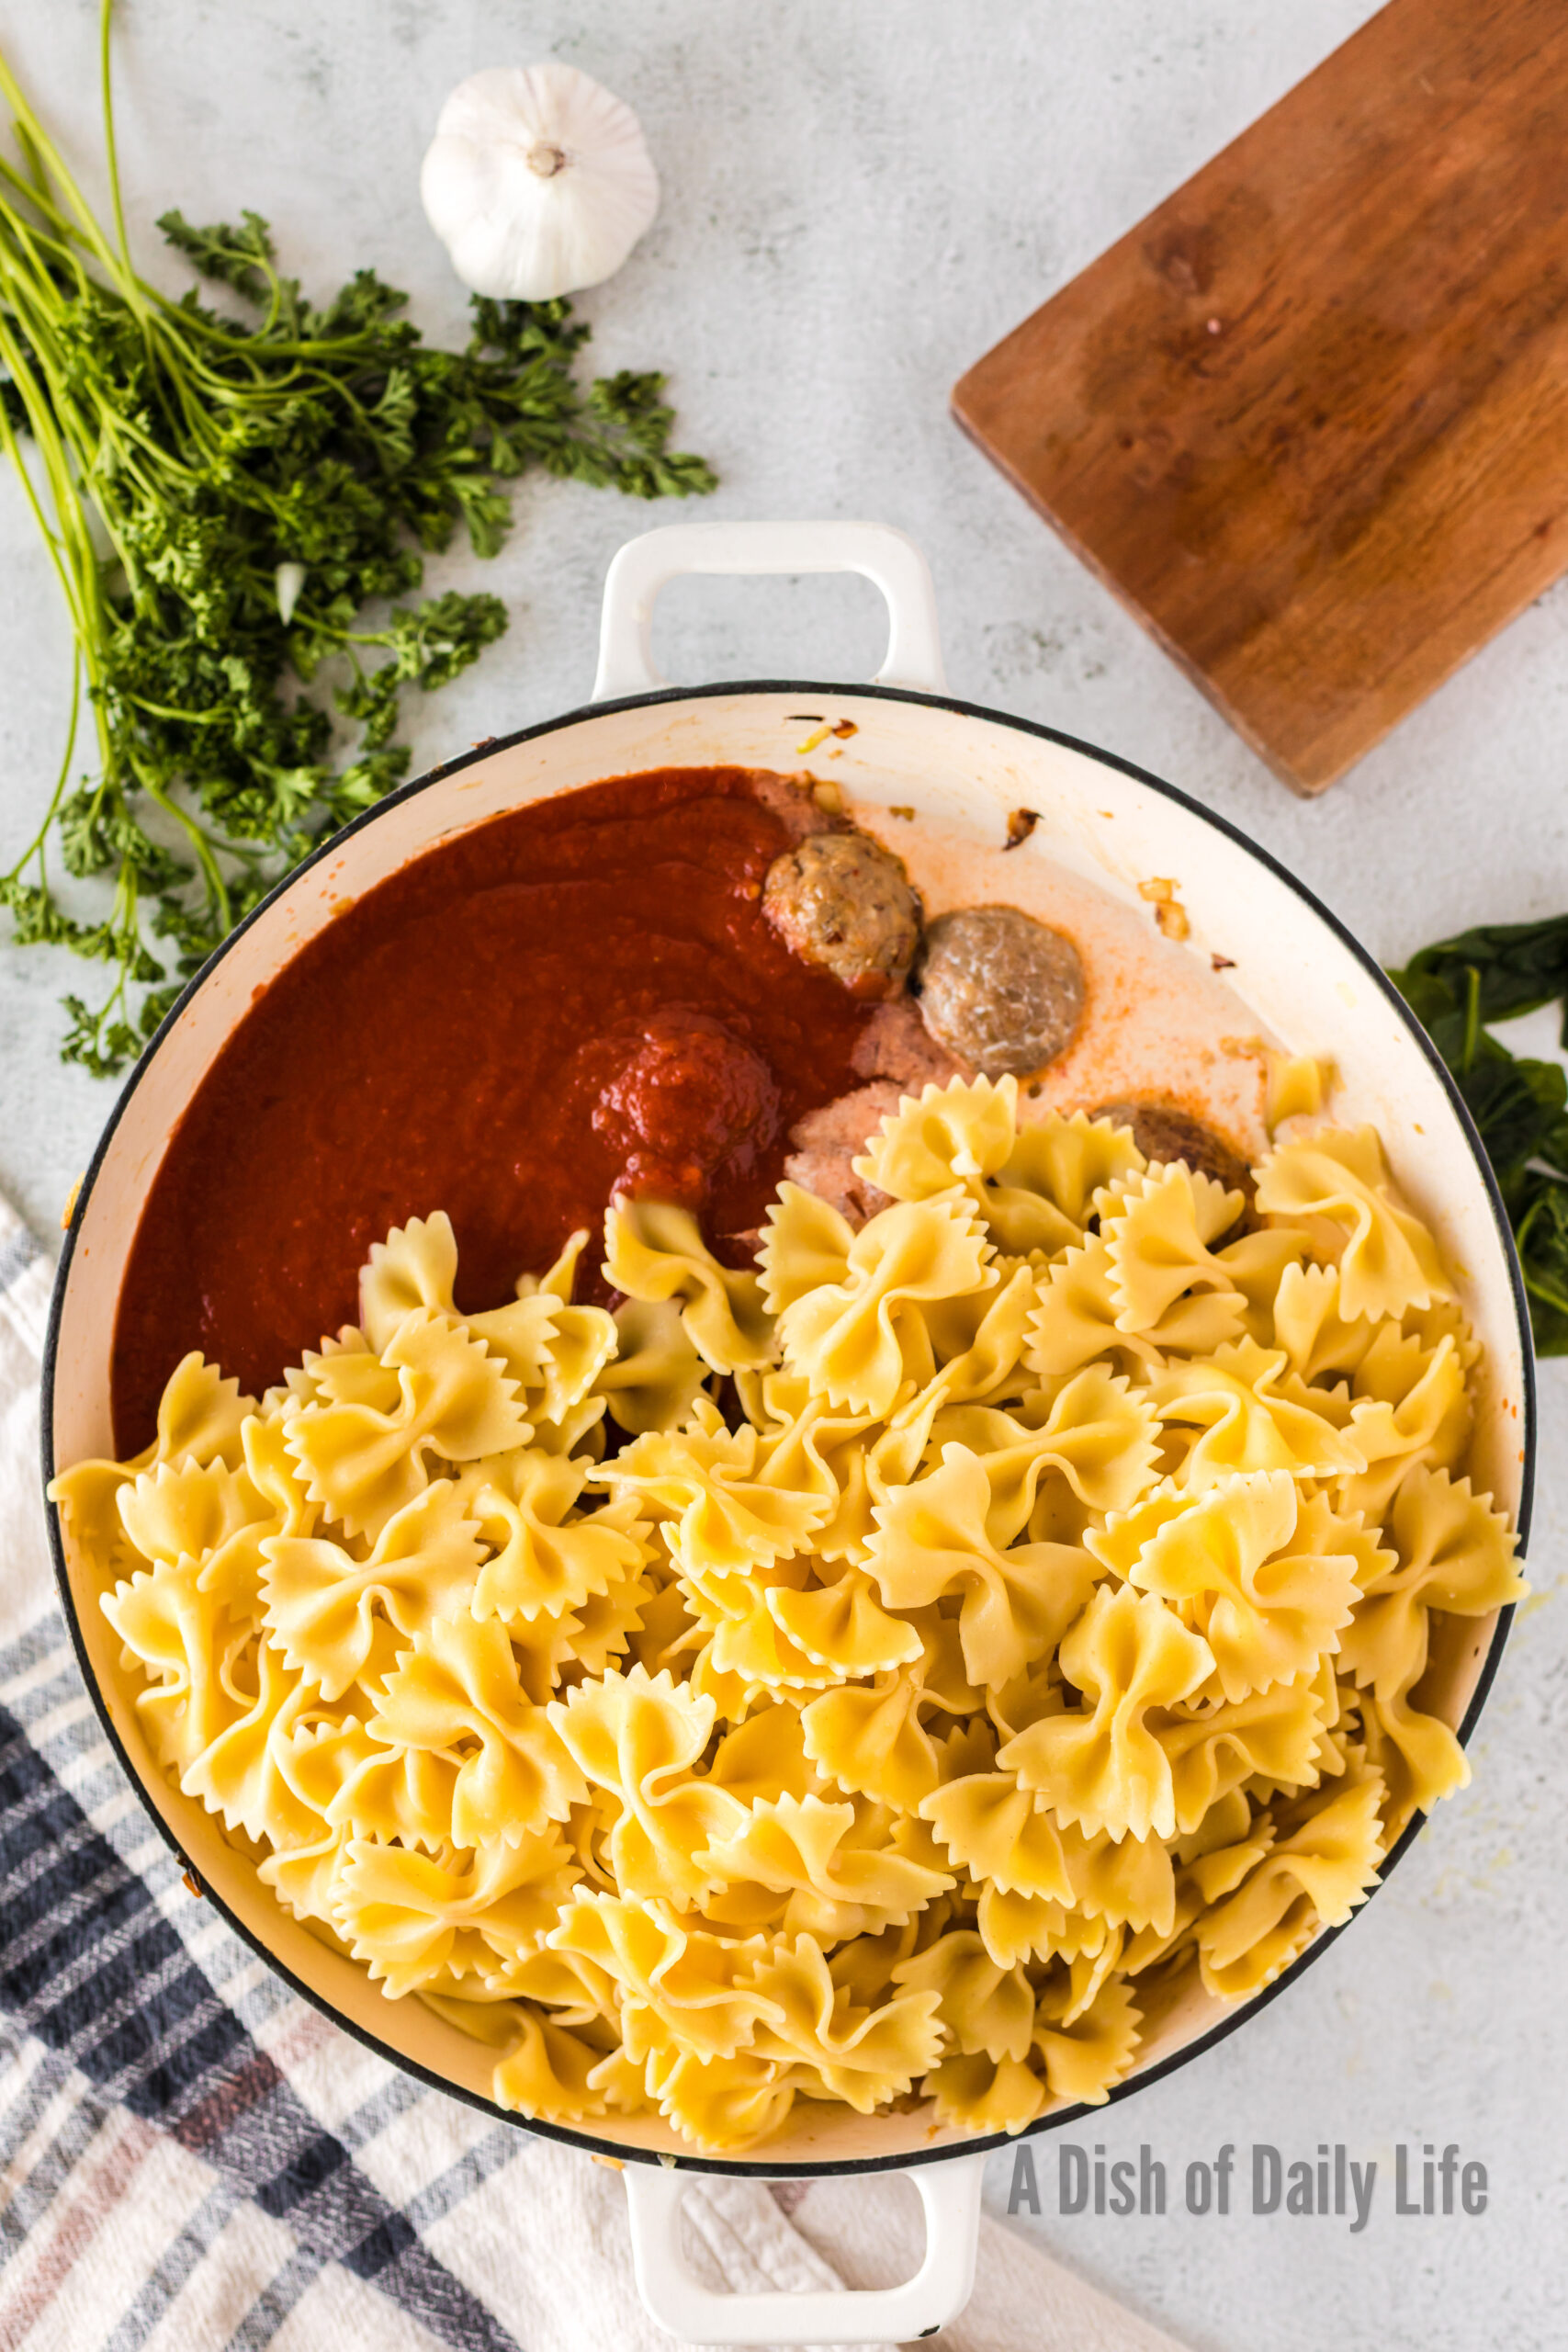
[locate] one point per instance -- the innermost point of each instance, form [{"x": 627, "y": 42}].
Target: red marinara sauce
[{"x": 581, "y": 994}]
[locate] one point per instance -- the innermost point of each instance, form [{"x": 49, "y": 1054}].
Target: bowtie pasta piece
[
  {"x": 245, "y": 1774},
  {"x": 724, "y": 1493},
  {"x": 808, "y": 1851},
  {"x": 766, "y": 1756},
  {"x": 547, "y": 1555},
  {"x": 849, "y": 1338},
  {"x": 1157, "y": 1241},
  {"x": 412, "y": 1918},
  {"x": 323, "y": 1605},
  {"x": 1104, "y": 1766},
  {"x": 186, "y": 1645},
  {"x": 1000, "y": 1833},
  {"x": 201, "y": 1418},
  {"x": 1267, "y": 1607},
  {"x": 1272, "y": 1736},
  {"x": 674, "y": 1979},
  {"x": 865, "y": 2056},
  {"x": 1452, "y": 1553},
  {"x": 548, "y": 2070},
  {"x": 457, "y": 1693},
  {"x": 1245, "y": 1423},
  {"x": 843, "y": 1628},
  {"x": 653, "y": 1376},
  {"x": 1079, "y": 1163},
  {"x": 415, "y": 1268},
  {"x": 187, "y": 1512},
  {"x": 552, "y": 1350},
  {"x": 1086, "y": 2058},
  {"x": 1320, "y": 1341},
  {"x": 638, "y": 1737},
  {"x": 1013, "y": 1605},
  {"x": 363, "y": 1461},
  {"x": 954, "y": 1134},
  {"x": 1036, "y": 1189},
  {"x": 655, "y": 1253},
  {"x": 719, "y": 2103},
  {"x": 1319, "y": 1873},
  {"x": 1074, "y": 1322},
  {"x": 871, "y": 1743},
  {"x": 1388, "y": 1260},
  {"x": 984, "y": 2008},
  {"x": 1096, "y": 1435},
  {"x": 982, "y": 2093}
]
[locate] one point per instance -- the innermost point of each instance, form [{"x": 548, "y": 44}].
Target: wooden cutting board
[{"x": 1310, "y": 418}]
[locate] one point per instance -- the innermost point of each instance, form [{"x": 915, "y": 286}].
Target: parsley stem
[
  {"x": 42, "y": 149},
  {"x": 130, "y": 284},
  {"x": 201, "y": 842},
  {"x": 185, "y": 718},
  {"x": 60, "y": 243},
  {"x": 36, "y": 847}
]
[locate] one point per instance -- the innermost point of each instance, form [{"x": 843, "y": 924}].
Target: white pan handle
[
  {"x": 685, "y": 2308},
  {"x": 884, "y": 555}
]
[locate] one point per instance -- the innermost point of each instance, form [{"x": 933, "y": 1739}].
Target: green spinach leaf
[{"x": 1519, "y": 1104}]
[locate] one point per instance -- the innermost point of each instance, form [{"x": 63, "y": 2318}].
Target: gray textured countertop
[{"x": 858, "y": 201}]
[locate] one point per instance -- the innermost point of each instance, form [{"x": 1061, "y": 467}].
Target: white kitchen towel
[{"x": 191, "y": 2157}]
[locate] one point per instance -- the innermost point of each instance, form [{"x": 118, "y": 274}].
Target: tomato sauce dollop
[{"x": 581, "y": 996}]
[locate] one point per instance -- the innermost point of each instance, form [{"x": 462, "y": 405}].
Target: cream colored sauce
[{"x": 1156, "y": 1020}]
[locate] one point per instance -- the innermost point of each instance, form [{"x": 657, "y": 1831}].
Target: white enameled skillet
[{"x": 1302, "y": 974}]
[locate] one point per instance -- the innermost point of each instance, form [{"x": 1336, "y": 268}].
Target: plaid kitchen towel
[{"x": 191, "y": 2157}]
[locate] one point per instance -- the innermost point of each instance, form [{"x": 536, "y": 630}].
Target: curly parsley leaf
[{"x": 189, "y": 462}]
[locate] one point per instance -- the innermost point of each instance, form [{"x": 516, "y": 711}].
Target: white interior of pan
[{"x": 1297, "y": 977}]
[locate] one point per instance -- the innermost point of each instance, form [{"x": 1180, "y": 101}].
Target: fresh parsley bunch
[
  {"x": 1519, "y": 1105},
  {"x": 222, "y": 499}
]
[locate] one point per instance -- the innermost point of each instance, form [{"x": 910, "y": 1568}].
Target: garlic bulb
[{"x": 537, "y": 181}]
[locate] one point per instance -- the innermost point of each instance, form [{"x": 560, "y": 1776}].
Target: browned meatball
[
  {"x": 1162, "y": 1132},
  {"x": 843, "y": 901},
  {"x": 1000, "y": 990}
]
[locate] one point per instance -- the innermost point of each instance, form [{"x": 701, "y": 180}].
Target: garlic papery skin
[
  {"x": 288, "y": 578},
  {"x": 538, "y": 181}
]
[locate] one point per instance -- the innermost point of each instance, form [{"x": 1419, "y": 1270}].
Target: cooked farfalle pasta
[{"x": 892, "y": 1672}]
